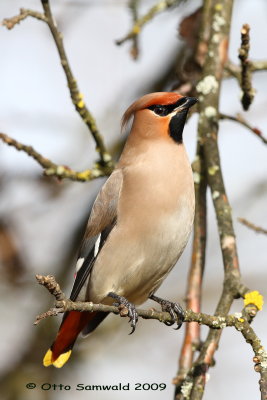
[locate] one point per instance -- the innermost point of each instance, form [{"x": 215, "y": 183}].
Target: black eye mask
[{"x": 163, "y": 110}]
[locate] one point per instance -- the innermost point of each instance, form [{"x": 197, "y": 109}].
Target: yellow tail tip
[{"x": 59, "y": 362}]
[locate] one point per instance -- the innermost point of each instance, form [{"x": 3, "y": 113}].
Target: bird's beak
[{"x": 188, "y": 103}]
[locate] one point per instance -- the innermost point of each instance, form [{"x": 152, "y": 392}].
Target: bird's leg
[
  {"x": 132, "y": 313},
  {"x": 174, "y": 309}
]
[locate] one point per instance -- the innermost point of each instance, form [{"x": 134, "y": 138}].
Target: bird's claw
[
  {"x": 123, "y": 304},
  {"x": 174, "y": 309}
]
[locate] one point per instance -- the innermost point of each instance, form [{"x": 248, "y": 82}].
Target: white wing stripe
[
  {"x": 79, "y": 264},
  {"x": 97, "y": 244}
]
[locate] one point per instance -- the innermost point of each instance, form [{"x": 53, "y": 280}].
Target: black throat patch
[{"x": 176, "y": 126}]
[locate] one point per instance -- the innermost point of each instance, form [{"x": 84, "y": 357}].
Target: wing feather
[{"x": 101, "y": 222}]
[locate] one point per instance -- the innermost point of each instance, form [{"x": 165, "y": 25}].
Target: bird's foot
[
  {"x": 123, "y": 305},
  {"x": 174, "y": 309}
]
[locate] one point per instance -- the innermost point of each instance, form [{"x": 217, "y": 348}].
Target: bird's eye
[{"x": 162, "y": 111}]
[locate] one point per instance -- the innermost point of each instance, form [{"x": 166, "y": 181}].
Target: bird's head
[{"x": 160, "y": 114}]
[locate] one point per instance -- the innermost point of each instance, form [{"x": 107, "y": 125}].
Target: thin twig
[
  {"x": 241, "y": 120},
  {"x": 138, "y": 25},
  {"x": 59, "y": 171},
  {"x": 133, "y": 5},
  {"x": 246, "y": 77},
  {"x": 76, "y": 96},
  {"x": 255, "y": 228},
  {"x": 24, "y": 13},
  {"x": 233, "y": 70}
]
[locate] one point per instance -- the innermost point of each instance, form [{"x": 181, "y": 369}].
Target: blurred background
[{"x": 42, "y": 219}]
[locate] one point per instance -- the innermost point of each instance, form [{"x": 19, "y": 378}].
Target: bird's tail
[{"x": 73, "y": 323}]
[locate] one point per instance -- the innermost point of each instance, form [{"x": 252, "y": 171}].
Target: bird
[{"x": 139, "y": 224}]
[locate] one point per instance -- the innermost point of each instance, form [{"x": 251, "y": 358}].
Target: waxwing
[{"x": 139, "y": 224}]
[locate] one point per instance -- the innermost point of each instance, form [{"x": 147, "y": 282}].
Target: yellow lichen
[
  {"x": 136, "y": 29},
  {"x": 218, "y": 7},
  {"x": 254, "y": 298},
  {"x": 213, "y": 169},
  {"x": 80, "y": 103},
  {"x": 84, "y": 175}
]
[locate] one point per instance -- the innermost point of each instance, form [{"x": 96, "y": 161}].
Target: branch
[
  {"x": 60, "y": 171},
  {"x": 233, "y": 70},
  {"x": 9, "y": 23},
  {"x": 209, "y": 91},
  {"x": 240, "y": 119},
  {"x": 76, "y": 96},
  {"x": 214, "y": 322},
  {"x": 139, "y": 23},
  {"x": 63, "y": 304},
  {"x": 133, "y": 5},
  {"x": 257, "y": 229},
  {"x": 246, "y": 86}
]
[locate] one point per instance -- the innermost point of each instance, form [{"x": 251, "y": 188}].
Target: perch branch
[
  {"x": 59, "y": 171},
  {"x": 139, "y": 23},
  {"x": 214, "y": 322},
  {"x": 76, "y": 96},
  {"x": 63, "y": 304},
  {"x": 246, "y": 86},
  {"x": 240, "y": 119},
  {"x": 257, "y": 229}
]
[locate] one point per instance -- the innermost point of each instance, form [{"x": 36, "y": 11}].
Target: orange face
[
  {"x": 160, "y": 114},
  {"x": 163, "y": 98}
]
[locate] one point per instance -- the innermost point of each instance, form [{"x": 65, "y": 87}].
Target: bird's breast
[{"x": 154, "y": 220}]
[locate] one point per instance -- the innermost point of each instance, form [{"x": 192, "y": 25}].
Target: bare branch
[
  {"x": 138, "y": 25},
  {"x": 241, "y": 120},
  {"x": 24, "y": 13},
  {"x": 76, "y": 96},
  {"x": 214, "y": 322},
  {"x": 59, "y": 171},
  {"x": 255, "y": 228},
  {"x": 234, "y": 70},
  {"x": 133, "y": 5},
  {"x": 209, "y": 91},
  {"x": 64, "y": 304},
  {"x": 246, "y": 86}
]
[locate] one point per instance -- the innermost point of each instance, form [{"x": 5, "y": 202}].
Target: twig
[
  {"x": 60, "y": 171},
  {"x": 246, "y": 86},
  {"x": 76, "y": 96},
  {"x": 156, "y": 9},
  {"x": 240, "y": 119},
  {"x": 233, "y": 70},
  {"x": 256, "y": 228},
  {"x": 24, "y": 13},
  {"x": 133, "y": 5}
]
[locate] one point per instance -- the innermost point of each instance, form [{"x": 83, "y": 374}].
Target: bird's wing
[{"x": 101, "y": 222}]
